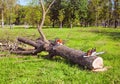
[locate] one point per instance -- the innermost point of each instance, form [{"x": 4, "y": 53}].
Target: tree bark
[
  {"x": 71, "y": 25},
  {"x": 44, "y": 12},
  {"x": 96, "y": 20},
  {"x": 74, "y": 56},
  {"x": 77, "y": 56},
  {"x": 61, "y": 25},
  {"x": 39, "y": 46},
  {"x": 115, "y": 13},
  {"x": 2, "y": 24},
  {"x": 53, "y": 23},
  {"x": 40, "y": 29},
  {"x": 26, "y": 41}
]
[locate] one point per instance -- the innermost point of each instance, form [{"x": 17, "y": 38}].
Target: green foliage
[
  {"x": 7, "y": 11},
  {"x": 15, "y": 69},
  {"x": 63, "y": 12},
  {"x": 33, "y": 15},
  {"x": 61, "y": 15}
]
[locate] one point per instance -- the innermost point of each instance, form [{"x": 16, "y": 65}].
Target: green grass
[{"x": 59, "y": 70}]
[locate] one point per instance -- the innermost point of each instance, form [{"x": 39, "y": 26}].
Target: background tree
[
  {"x": 110, "y": 13},
  {"x": 2, "y": 8},
  {"x": 33, "y": 15},
  {"x": 61, "y": 17},
  {"x": 116, "y": 13},
  {"x": 20, "y": 13},
  {"x": 54, "y": 12},
  {"x": 10, "y": 11},
  {"x": 67, "y": 13},
  {"x": 71, "y": 11},
  {"x": 83, "y": 13},
  {"x": 95, "y": 8}
]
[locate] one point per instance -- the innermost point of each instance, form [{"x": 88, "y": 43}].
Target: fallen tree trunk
[{"x": 75, "y": 56}]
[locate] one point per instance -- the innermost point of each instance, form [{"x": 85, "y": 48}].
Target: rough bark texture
[
  {"x": 75, "y": 56},
  {"x": 39, "y": 46},
  {"x": 44, "y": 12},
  {"x": 29, "y": 42}
]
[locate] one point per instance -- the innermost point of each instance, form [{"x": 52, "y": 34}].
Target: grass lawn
[{"x": 59, "y": 71}]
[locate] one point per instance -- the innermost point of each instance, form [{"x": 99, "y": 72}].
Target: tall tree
[
  {"x": 54, "y": 12},
  {"x": 32, "y": 15},
  {"x": 10, "y": 4},
  {"x": 83, "y": 12},
  {"x": 71, "y": 11},
  {"x": 2, "y": 7},
  {"x": 96, "y": 9},
  {"x": 116, "y": 8},
  {"x": 61, "y": 17},
  {"x": 110, "y": 13}
]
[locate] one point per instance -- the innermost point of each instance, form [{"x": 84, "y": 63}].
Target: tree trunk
[
  {"x": 61, "y": 24},
  {"x": 96, "y": 20},
  {"x": 77, "y": 56},
  {"x": 109, "y": 14},
  {"x": 53, "y": 23},
  {"x": 74, "y": 56},
  {"x": 115, "y": 24},
  {"x": 71, "y": 25},
  {"x": 2, "y": 24},
  {"x": 115, "y": 13}
]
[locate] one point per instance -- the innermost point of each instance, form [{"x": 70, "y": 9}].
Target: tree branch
[
  {"x": 43, "y": 8},
  {"x": 42, "y": 23},
  {"x": 50, "y": 6},
  {"x": 44, "y": 12}
]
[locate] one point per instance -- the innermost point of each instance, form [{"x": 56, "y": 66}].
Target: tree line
[{"x": 63, "y": 13}]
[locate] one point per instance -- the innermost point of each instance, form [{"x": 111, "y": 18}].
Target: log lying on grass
[{"x": 75, "y": 56}]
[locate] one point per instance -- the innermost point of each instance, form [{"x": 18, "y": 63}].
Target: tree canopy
[{"x": 67, "y": 13}]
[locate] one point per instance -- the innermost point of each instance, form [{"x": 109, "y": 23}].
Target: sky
[{"x": 23, "y": 2}]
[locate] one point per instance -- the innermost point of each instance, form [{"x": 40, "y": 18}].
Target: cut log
[{"x": 77, "y": 56}]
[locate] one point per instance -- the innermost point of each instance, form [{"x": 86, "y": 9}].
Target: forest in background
[{"x": 63, "y": 13}]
